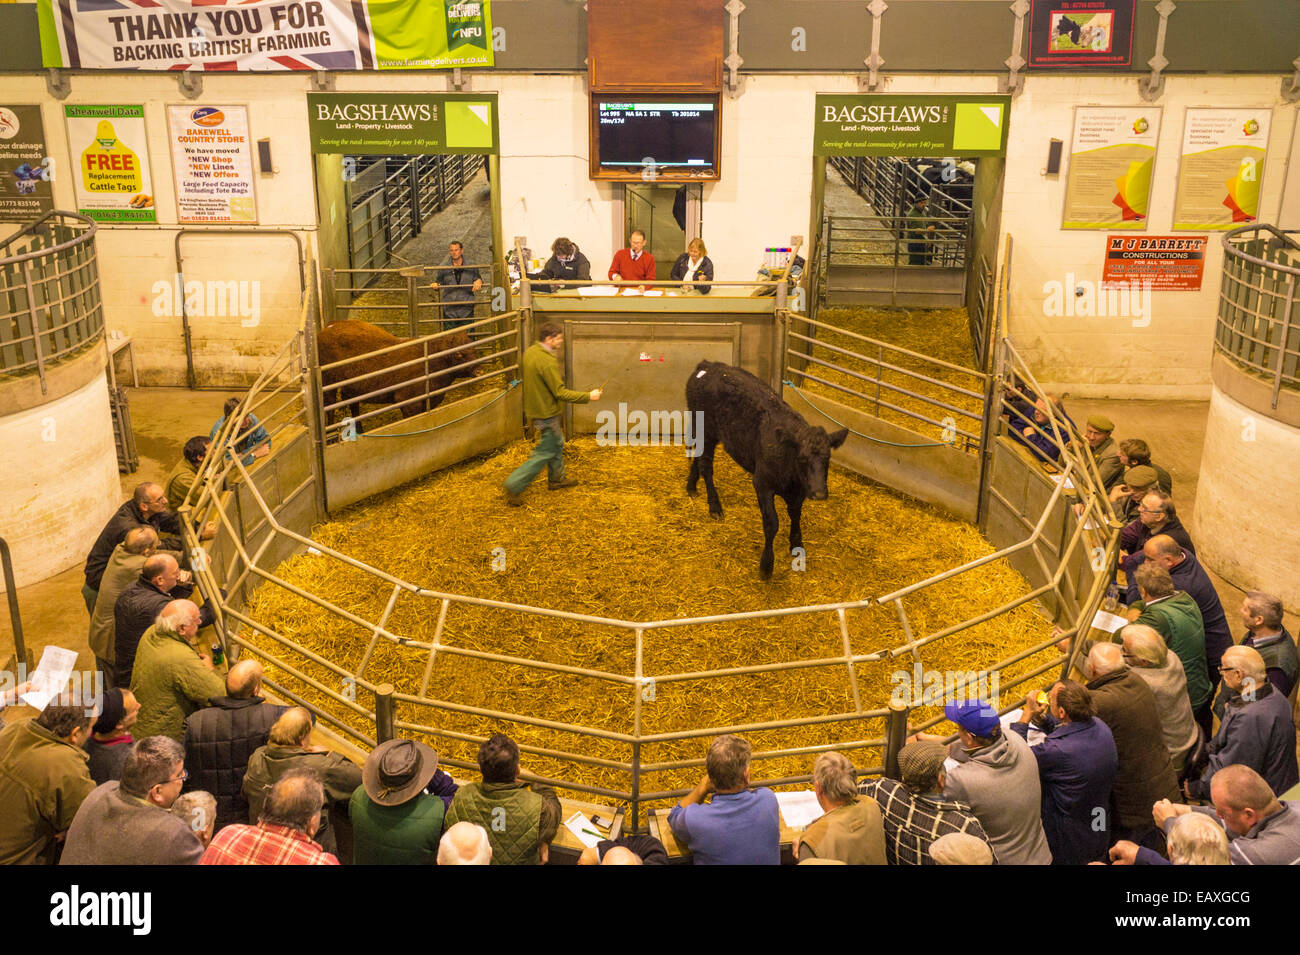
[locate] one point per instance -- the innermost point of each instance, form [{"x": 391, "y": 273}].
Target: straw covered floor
[{"x": 629, "y": 543}]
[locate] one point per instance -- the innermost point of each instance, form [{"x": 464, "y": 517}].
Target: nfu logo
[
  {"x": 467, "y": 33},
  {"x": 77, "y": 908}
]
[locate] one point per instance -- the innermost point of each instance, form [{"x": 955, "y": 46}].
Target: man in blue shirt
[
  {"x": 1077, "y": 763},
  {"x": 740, "y": 826}
]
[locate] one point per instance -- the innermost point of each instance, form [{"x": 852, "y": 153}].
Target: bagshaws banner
[
  {"x": 910, "y": 125},
  {"x": 254, "y": 35}
]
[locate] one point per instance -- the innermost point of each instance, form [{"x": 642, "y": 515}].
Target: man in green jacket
[
  {"x": 1176, "y": 617},
  {"x": 543, "y": 391},
  {"x": 398, "y": 809},
  {"x": 43, "y": 781},
  {"x": 171, "y": 679},
  {"x": 288, "y": 748},
  {"x": 520, "y": 820}
]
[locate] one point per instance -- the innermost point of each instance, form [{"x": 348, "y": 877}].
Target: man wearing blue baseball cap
[{"x": 997, "y": 776}]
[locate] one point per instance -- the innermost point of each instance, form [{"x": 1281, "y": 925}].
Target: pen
[{"x": 590, "y": 833}]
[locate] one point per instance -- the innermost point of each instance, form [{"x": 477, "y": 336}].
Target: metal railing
[
  {"x": 929, "y": 241},
  {"x": 365, "y": 712},
  {"x": 404, "y": 301},
  {"x": 816, "y": 349},
  {"x": 891, "y": 185},
  {"x": 1259, "y": 303},
  {"x": 49, "y": 293},
  {"x": 428, "y": 367}
]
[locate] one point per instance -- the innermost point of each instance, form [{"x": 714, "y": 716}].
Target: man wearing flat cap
[
  {"x": 915, "y": 812},
  {"x": 997, "y": 776},
  {"x": 1104, "y": 450},
  {"x": 1127, "y": 497},
  {"x": 398, "y": 810}
]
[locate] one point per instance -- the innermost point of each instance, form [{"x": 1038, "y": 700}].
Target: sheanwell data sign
[{"x": 911, "y": 125}]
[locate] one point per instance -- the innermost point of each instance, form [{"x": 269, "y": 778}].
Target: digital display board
[{"x": 674, "y": 137}]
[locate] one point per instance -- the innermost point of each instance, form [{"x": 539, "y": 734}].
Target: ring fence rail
[
  {"x": 1061, "y": 534},
  {"x": 1258, "y": 324}
]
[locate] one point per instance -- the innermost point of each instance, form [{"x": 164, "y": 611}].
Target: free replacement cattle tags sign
[
  {"x": 386, "y": 124},
  {"x": 1164, "y": 263},
  {"x": 111, "y": 153},
  {"x": 907, "y": 125}
]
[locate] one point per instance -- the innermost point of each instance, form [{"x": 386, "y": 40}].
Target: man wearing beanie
[
  {"x": 915, "y": 812},
  {"x": 1104, "y": 449},
  {"x": 996, "y": 774},
  {"x": 109, "y": 742}
]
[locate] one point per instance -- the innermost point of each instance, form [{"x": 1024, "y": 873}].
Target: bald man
[
  {"x": 1262, "y": 829},
  {"x": 1126, "y": 704},
  {"x": 172, "y": 677},
  {"x": 146, "y": 508},
  {"x": 643, "y": 850},
  {"x": 161, "y": 581},
  {"x": 1256, "y": 731},
  {"x": 465, "y": 844},
  {"x": 1190, "y": 577},
  {"x": 123, "y": 569},
  {"x": 220, "y": 739}
]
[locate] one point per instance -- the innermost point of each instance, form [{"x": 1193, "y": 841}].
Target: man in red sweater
[{"x": 633, "y": 264}]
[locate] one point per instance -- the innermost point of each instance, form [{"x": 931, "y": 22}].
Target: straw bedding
[
  {"x": 629, "y": 543},
  {"x": 943, "y": 333}
]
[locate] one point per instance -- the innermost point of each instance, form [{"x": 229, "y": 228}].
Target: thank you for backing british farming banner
[{"x": 257, "y": 35}]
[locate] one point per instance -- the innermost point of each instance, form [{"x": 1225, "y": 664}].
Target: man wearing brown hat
[
  {"x": 1104, "y": 449},
  {"x": 398, "y": 810},
  {"x": 915, "y": 811}
]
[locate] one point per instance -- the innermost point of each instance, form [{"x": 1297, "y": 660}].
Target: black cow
[
  {"x": 766, "y": 437},
  {"x": 1067, "y": 27}
]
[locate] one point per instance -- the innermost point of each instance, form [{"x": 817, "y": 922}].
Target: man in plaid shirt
[
  {"x": 283, "y": 835},
  {"x": 915, "y": 811}
]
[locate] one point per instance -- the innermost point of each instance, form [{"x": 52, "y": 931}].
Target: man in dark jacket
[
  {"x": 458, "y": 283},
  {"x": 1257, "y": 729},
  {"x": 567, "y": 263},
  {"x": 1077, "y": 763},
  {"x": 1261, "y": 615},
  {"x": 110, "y": 742},
  {"x": 1156, "y": 515},
  {"x": 1188, "y": 575},
  {"x": 220, "y": 738},
  {"x": 161, "y": 581},
  {"x": 147, "y": 508},
  {"x": 1145, "y": 774}
]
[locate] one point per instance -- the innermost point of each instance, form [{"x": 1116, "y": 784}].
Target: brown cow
[{"x": 353, "y": 339}]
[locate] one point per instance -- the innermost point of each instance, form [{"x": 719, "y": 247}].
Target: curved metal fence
[
  {"x": 256, "y": 535},
  {"x": 49, "y": 293},
  {"x": 1259, "y": 303}
]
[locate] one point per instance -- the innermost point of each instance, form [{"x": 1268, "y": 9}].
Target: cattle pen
[{"x": 1056, "y": 530}]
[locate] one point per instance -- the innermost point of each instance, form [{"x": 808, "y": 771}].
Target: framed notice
[
  {"x": 1220, "y": 168},
  {"x": 212, "y": 159},
  {"x": 1080, "y": 34},
  {"x": 25, "y": 165},
  {"x": 1163, "y": 263},
  {"x": 111, "y": 155},
  {"x": 1112, "y": 154}
]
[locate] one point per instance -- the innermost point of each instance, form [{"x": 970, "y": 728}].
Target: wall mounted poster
[
  {"x": 1080, "y": 34},
  {"x": 1162, "y": 263},
  {"x": 212, "y": 159},
  {"x": 1221, "y": 167},
  {"x": 25, "y": 165},
  {"x": 111, "y": 154},
  {"x": 1112, "y": 154}
]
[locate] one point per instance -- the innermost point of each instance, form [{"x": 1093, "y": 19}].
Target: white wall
[
  {"x": 1243, "y": 497},
  {"x": 1116, "y": 356},
  {"x": 132, "y": 258},
  {"x": 61, "y": 481}
]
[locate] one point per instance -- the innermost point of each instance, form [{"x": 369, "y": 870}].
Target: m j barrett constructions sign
[{"x": 906, "y": 125}]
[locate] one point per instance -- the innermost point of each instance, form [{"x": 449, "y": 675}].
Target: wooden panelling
[{"x": 659, "y": 45}]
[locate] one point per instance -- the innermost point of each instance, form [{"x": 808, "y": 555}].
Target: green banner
[
  {"x": 403, "y": 123},
  {"x": 430, "y": 34},
  {"x": 911, "y": 125}
]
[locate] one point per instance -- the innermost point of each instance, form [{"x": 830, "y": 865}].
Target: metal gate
[
  {"x": 892, "y": 257},
  {"x": 391, "y": 197}
]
